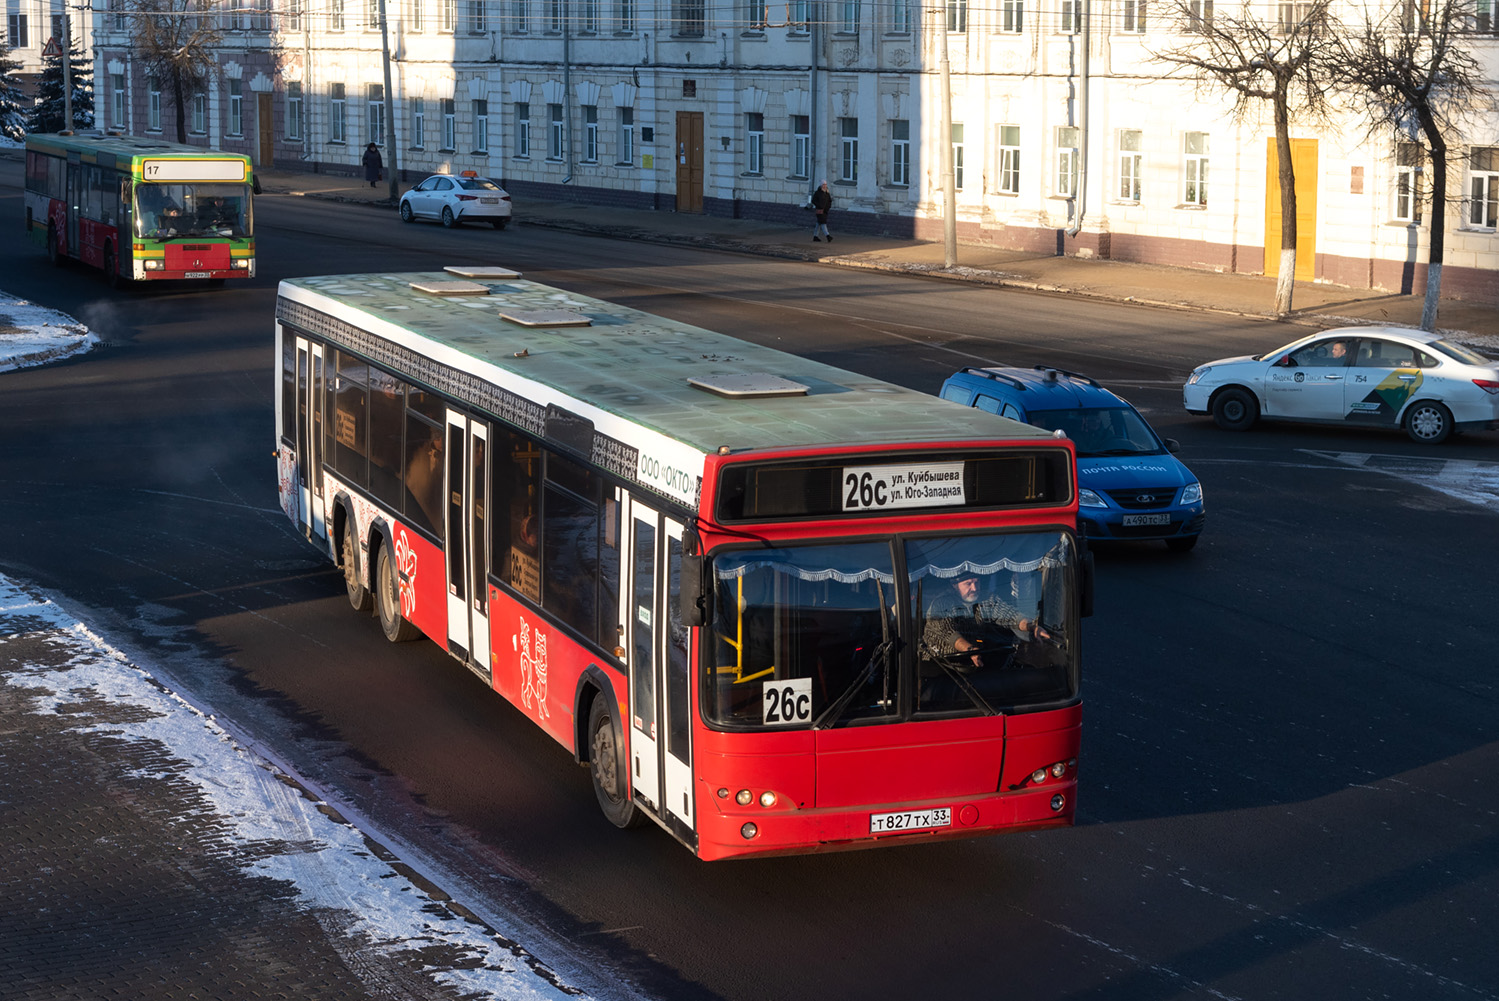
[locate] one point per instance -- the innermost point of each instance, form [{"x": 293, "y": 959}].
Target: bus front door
[
  {"x": 659, "y": 665},
  {"x": 310, "y": 436},
  {"x": 465, "y": 540},
  {"x": 74, "y": 200}
]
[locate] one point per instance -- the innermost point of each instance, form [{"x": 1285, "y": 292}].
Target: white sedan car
[
  {"x": 1395, "y": 377},
  {"x": 453, "y": 200}
]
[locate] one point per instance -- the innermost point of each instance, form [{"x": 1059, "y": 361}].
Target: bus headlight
[
  {"x": 155, "y": 265},
  {"x": 240, "y": 264}
]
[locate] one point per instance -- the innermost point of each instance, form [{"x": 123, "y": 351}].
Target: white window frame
[
  {"x": 1131, "y": 166},
  {"x": 449, "y": 15},
  {"x": 153, "y": 104},
  {"x": 416, "y": 15},
  {"x": 294, "y": 110},
  {"x": 849, "y": 17},
  {"x": 520, "y": 16},
  {"x": 236, "y": 123},
  {"x": 626, "y": 155},
  {"x": 958, "y": 147},
  {"x": 523, "y": 130},
  {"x": 449, "y": 110},
  {"x": 1071, "y": 20},
  {"x": 1405, "y": 187},
  {"x": 374, "y": 94},
  {"x": 418, "y": 136},
  {"x": 1196, "y": 147},
  {"x": 900, "y": 152},
  {"x": 556, "y": 137},
  {"x": 1291, "y": 13},
  {"x": 1486, "y": 17},
  {"x": 848, "y": 150},
  {"x": 588, "y": 22},
  {"x": 590, "y": 133},
  {"x": 1132, "y": 17},
  {"x": 1069, "y": 156},
  {"x": 294, "y": 10},
  {"x": 754, "y": 143},
  {"x": 754, "y": 15},
  {"x": 957, "y": 17},
  {"x": 801, "y": 146},
  {"x": 336, "y": 113},
  {"x": 1483, "y": 188},
  {"x": 478, "y": 17},
  {"x": 117, "y": 99},
  {"x": 1007, "y": 142},
  {"x": 624, "y": 16},
  {"x": 481, "y": 125},
  {"x": 335, "y": 14},
  {"x": 1012, "y": 16},
  {"x": 900, "y": 17},
  {"x": 200, "y": 114},
  {"x": 1199, "y": 16}
]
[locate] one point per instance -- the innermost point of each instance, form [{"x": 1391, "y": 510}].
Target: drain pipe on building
[
  {"x": 567, "y": 89},
  {"x": 1080, "y": 199}
]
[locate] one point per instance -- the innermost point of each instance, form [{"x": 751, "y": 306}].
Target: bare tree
[
  {"x": 1278, "y": 60},
  {"x": 1407, "y": 62},
  {"x": 175, "y": 41}
]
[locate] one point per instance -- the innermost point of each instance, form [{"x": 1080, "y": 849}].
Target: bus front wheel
[
  {"x": 359, "y": 595},
  {"x": 398, "y": 628},
  {"x": 607, "y": 767}
]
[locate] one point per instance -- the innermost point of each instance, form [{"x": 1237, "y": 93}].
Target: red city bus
[{"x": 774, "y": 606}]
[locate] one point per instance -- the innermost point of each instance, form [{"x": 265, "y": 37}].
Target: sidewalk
[{"x": 1239, "y": 295}]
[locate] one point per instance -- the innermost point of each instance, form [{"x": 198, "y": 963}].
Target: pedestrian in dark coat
[
  {"x": 822, "y": 204},
  {"x": 373, "y": 164}
]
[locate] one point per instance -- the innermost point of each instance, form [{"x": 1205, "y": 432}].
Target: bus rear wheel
[
  {"x": 606, "y": 766},
  {"x": 359, "y": 595},
  {"x": 398, "y": 628}
]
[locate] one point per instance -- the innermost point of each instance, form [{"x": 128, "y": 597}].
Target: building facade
[{"x": 1068, "y": 136}]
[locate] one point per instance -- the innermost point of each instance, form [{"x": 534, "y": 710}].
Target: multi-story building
[
  {"x": 1067, "y": 135},
  {"x": 31, "y": 26}
]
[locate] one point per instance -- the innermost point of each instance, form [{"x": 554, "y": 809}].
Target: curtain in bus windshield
[
  {"x": 994, "y": 624},
  {"x": 167, "y": 210},
  {"x": 813, "y": 621}
]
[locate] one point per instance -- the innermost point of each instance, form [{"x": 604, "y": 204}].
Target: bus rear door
[{"x": 466, "y": 542}]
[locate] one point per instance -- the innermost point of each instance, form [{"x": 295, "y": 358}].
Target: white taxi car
[
  {"x": 457, "y": 199},
  {"x": 1396, "y": 377}
]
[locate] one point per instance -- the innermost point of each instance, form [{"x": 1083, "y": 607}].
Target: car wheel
[
  {"x": 1428, "y": 422},
  {"x": 1235, "y": 409},
  {"x": 447, "y": 217},
  {"x": 1183, "y": 544},
  {"x": 406, "y": 214},
  {"x": 606, "y": 766},
  {"x": 502, "y": 222}
]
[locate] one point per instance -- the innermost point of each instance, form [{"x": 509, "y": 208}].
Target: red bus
[
  {"x": 773, "y": 606},
  {"x": 140, "y": 209}
]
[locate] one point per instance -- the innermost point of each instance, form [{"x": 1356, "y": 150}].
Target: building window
[
  {"x": 687, "y": 17},
  {"x": 449, "y": 14},
  {"x": 1195, "y": 174},
  {"x": 294, "y": 110},
  {"x": 591, "y": 133},
  {"x": 589, "y": 22},
  {"x": 555, "y": 14},
  {"x": 1011, "y": 15},
  {"x": 153, "y": 104},
  {"x": 372, "y": 14},
  {"x": 900, "y": 17},
  {"x": 1067, "y": 161},
  {"x": 1407, "y": 182},
  {"x": 957, "y": 15},
  {"x": 418, "y": 123},
  {"x": 624, "y": 15},
  {"x": 478, "y": 21},
  {"x": 1129, "y": 165},
  {"x": 117, "y": 9},
  {"x": 754, "y": 144},
  {"x": 1486, "y": 22},
  {"x": 796, "y": 12},
  {"x": 554, "y": 131},
  {"x": 523, "y": 129},
  {"x": 1009, "y": 159},
  {"x": 1132, "y": 17},
  {"x": 117, "y": 93},
  {"x": 850, "y": 17},
  {"x": 416, "y": 15},
  {"x": 19, "y": 34},
  {"x": 520, "y": 16},
  {"x": 375, "y": 96},
  {"x": 1483, "y": 187},
  {"x": 236, "y": 124},
  {"x": 449, "y": 126},
  {"x": 1199, "y": 16},
  {"x": 1292, "y": 13},
  {"x": 481, "y": 126},
  {"x": 294, "y": 15},
  {"x": 626, "y": 137},
  {"x": 754, "y": 15},
  {"x": 200, "y": 114},
  {"x": 848, "y": 144},
  {"x": 1072, "y": 16},
  {"x": 801, "y": 146},
  {"x": 336, "y": 113},
  {"x": 335, "y": 14},
  {"x": 957, "y": 155},
  {"x": 261, "y": 21},
  {"x": 900, "y": 152}
]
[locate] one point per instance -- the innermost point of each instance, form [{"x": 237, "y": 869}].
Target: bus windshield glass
[
  {"x": 823, "y": 629},
  {"x": 167, "y": 210}
]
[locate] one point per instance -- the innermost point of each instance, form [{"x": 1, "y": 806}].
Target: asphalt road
[{"x": 1289, "y": 733}]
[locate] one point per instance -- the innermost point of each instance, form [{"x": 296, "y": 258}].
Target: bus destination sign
[
  {"x": 903, "y": 485},
  {"x": 196, "y": 169}
]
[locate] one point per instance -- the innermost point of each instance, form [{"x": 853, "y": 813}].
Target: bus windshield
[
  {"x": 167, "y": 210},
  {"x": 985, "y": 626}
]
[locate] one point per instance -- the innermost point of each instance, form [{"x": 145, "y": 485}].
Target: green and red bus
[
  {"x": 718, "y": 574},
  {"x": 140, "y": 209}
]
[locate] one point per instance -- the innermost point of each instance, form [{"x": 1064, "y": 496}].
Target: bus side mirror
[{"x": 694, "y": 593}]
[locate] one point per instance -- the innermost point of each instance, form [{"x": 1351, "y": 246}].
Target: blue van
[{"x": 1130, "y": 486}]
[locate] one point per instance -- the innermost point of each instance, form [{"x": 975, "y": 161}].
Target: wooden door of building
[
  {"x": 689, "y": 161},
  {"x": 265, "y": 155}
]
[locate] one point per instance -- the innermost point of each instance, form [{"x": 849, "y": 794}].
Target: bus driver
[{"x": 961, "y": 627}]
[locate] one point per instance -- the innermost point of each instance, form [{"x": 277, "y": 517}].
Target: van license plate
[
  {"x": 197, "y": 274},
  {"x": 910, "y": 820}
]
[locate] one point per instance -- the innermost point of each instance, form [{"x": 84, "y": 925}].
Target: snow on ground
[
  {"x": 328, "y": 861},
  {"x": 35, "y": 335}
]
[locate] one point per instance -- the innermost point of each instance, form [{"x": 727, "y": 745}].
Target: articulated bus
[
  {"x": 773, "y": 606},
  {"x": 140, "y": 209}
]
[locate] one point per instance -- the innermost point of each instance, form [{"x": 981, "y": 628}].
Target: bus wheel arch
[{"x": 608, "y": 769}]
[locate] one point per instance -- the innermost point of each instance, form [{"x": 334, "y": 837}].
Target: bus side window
[{"x": 514, "y": 531}]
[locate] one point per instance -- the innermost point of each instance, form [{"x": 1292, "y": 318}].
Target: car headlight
[
  {"x": 1087, "y": 498},
  {"x": 1191, "y": 493},
  {"x": 1198, "y": 373}
]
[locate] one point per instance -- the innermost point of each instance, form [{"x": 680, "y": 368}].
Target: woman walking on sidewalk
[
  {"x": 373, "y": 164},
  {"x": 822, "y": 203}
]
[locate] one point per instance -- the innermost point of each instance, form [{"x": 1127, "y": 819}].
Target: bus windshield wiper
[
  {"x": 878, "y": 656},
  {"x": 966, "y": 686}
]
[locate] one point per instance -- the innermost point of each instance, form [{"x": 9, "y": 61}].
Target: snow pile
[{"x": 34, "y": 335}]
